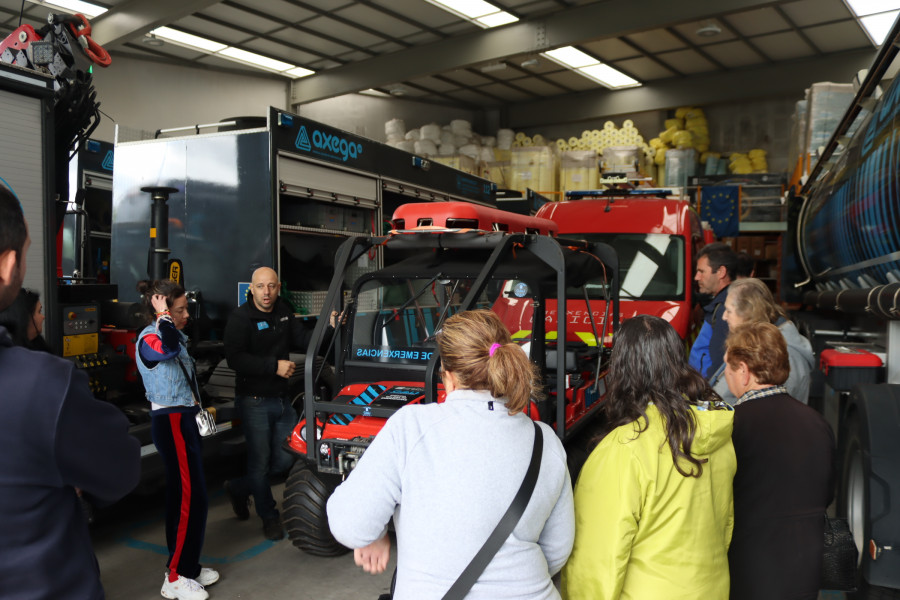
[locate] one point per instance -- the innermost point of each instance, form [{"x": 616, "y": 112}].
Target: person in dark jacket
[
  {"x": 258, "y": 338},
  {"x": 56, "y": 437},
  {"x": 784, "y": 476},
  {"x": 716, "y": 265}
]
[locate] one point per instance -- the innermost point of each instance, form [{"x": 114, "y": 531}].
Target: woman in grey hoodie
[
  {"x": 750, "y": 301},
  {"x": 446, "y": 472}
]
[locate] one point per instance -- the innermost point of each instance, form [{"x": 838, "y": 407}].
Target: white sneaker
[
  {"x": 207, "y": 577},
  {"x": 183, "y": 589}
]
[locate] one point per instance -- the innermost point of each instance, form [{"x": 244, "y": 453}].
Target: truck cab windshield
[{"x": 651, "y": 264}]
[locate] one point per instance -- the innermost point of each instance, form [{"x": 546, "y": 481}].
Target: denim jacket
[{"x": 165, "y": 383}]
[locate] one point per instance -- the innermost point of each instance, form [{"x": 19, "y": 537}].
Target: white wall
[
  {"x": 149, "y": 95},
  {"x": 764, "y": 124},
  {"x": 366, "y": 115}
]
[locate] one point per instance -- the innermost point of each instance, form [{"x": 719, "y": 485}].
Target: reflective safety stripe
[
  {"x": 587, "y": 338},
  {"x": 364, "y": 399}
]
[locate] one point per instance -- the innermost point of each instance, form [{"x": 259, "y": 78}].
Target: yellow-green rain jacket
[{"x": 643, "y": 531}]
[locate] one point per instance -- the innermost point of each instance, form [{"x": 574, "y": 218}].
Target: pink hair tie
[{"x": 493, "y": 349}]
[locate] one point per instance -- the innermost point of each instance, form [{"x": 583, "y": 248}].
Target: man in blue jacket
[
  {"x": 716, "y": 264},
  {"x": 56, "y": 437}
]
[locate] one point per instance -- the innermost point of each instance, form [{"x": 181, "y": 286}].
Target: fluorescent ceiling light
[
  {"x": 608, "y": 76},
  {"x": 299, "y": 72},
  {"x": 253, "y": 59},
  {"x": 467, "y": 8},
  {"x": 876, "y": 17},
  {"x": 188, "y": 40},
  {"x": 586, "y": 65},
  {"x": 74, "y": 6},
  {"x": 479, "y": 12},
  {"x": 878, "y": 26},
  {"x": 497, "y": 19},
  {"x": 862, "y": 8},
  {"x": 571, "y": 57}
]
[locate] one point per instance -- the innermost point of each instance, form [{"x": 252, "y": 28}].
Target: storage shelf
[
  {"x": 763, "y": 226},
  {"x": 320, "y": 231}
]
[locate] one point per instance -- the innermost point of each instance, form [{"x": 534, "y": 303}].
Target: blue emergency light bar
[{"x": 618, "y": 193}]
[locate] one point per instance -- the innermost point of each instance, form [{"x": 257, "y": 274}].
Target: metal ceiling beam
[
  {"x": 134, "y": 18},
  {"x": 713, "y": 88},
  {"x": 599, "y": 20}
]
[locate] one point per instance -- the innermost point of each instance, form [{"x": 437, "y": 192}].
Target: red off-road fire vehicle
[{"x": 385, "y": 356}]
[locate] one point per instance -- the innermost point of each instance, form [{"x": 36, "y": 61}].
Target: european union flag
[{"x": 719, "y": 207}]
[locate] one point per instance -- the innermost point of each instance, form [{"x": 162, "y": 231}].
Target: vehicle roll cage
[{"x": 552, "y": 254}]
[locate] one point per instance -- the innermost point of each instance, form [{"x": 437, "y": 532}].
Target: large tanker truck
[{"x": 847, "y": 239}]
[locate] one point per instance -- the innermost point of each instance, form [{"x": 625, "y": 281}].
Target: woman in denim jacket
[{"x": 160, "y": 349}]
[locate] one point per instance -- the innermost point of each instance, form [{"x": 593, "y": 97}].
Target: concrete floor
[{"x": 129, "y": 540}]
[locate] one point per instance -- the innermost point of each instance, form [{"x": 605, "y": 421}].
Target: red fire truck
[{"x": 656, "y": 237}]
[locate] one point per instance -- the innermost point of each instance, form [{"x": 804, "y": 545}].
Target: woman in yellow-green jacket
[{"x": 654, "y": 509}]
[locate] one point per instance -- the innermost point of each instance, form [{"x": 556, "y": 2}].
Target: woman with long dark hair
[
  {"x": 24, "y": 320},
  {"x": 654, "y": 509},
  {"x": 170, "y": 383}
]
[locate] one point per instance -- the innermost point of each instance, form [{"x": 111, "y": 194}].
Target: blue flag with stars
[{"x": 719, "y": 207}]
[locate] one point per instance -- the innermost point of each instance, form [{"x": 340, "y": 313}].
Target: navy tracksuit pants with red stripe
[{"x": 178, "y": 442}]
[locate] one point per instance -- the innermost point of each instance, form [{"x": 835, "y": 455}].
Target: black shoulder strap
[
  {"x": 505, "y": 527},
  {"x": 192, "y": 382}
]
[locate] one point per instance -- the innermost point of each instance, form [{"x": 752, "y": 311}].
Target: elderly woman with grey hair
[{"x": 750, "y": 301}]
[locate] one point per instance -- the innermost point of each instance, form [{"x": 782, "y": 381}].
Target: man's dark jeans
[{"x": 267, "y": 421}]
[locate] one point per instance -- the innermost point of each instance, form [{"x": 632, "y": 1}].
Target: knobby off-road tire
[{"x": 305, "y": 495}]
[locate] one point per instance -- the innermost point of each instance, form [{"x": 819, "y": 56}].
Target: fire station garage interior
[{"x": 397, "y": 161}]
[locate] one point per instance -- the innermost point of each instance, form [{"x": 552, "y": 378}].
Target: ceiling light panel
[
  {"x": 497, "y": 19},
  {"x": 251, "y": 59},
  {"x": 186, "y": 39},
  {"x": 879, "y": 25},
  {"x": 471, "y": 9},
  {"x": 299, "y": 72},
  {"x": 590, "y": 67},
  {"x": 74, "y": 6},
  {"x": 255, "y": 59},
  {"x": 862, "y": 8},
  {"x": 484, "y": 14},
  {"x": 609, "y": 76},
  {"x": 571, "y": 57}
]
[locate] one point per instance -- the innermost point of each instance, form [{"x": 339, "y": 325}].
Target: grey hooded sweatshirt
[{"x": 802, "y": 361}]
